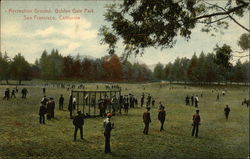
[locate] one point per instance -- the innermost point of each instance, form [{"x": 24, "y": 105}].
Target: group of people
[
  {"x": 147, "y": 119},
  {"x": 193, "y": 100},
  {"x": 12, "y": 94},
  {"x": 150, "y": 100},
  {"x": 47, "y": 108}
]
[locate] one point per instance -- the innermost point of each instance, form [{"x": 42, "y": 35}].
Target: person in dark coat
[
  {"x": 70, "y": 106},
  {"x": 53, "y": 105},
  {"x": 146, "y": 120},
  {"x": 108, "y": 126},
  {"x": 192, "y": 100},
  {"x": 13, "y": 94},
  {"x": 6, "y": 94},
  {"x": 153, "y": 102},
  {"x": 44, "y": 91},
  {"x": 142, "y": 100},
  {"x": 78, "y": 122},
  {"x": 61, "y": 102},
  {"x": 42, "y": 112},
  {"x": 218, "y": 97},
  {"x": 161, "y": 117},
  {"x": 187, "y": 100},
  {"x": 196, "y": 101},
  {"x": 126, "y": 105},
  {"x": 24, "y": 92},
  {"x": 44, "y": 100},
  {"x": 49, "y": 110},
  {"x": 196, "y": 123},
  {"x": 227, "y": 111}
]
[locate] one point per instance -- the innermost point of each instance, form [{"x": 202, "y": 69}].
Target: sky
[{"x": 28, "y": 34}]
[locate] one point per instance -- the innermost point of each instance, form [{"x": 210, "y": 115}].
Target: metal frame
[{"x": 86, "y": 98}]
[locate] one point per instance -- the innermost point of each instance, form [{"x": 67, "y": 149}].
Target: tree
[
  {"x": 4, "y": 67},
  {"x": 113, "y": 68},
  {"x": 20, "y": 68},
  {"x": 159, "y": 71},
  {"x": 239, "y": 72},
  {"x": 222, "y": 58},
  {"x": 167, "y": 71},
  {"x": 244, "y": 41},
  {"x": 192, "y": 69},
  {"x": 127, "y": 71},
  {"x": 145, "y": 23},
  {"x": 201, "y": 72}
]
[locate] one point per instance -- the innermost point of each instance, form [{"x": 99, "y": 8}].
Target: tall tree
[
  {"x": 192, "y": 69},
  {"x": 159, "y": 71},
  {"x": 20, "y": 68},
  {"x": 4, "y": 67}
]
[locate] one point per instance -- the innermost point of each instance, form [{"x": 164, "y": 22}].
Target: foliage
[
  {"x": 20, "y": 69},
  {"x": 244, "y": 41},
  {"x": 144, "y": 23}
]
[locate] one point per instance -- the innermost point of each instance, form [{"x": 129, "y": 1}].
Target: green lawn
[{"x": 21, "y": 135}]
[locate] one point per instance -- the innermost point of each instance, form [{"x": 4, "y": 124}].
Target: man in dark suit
[
  {"x": 162, "y": 116},
  {"x": 196, "y": 123},
  {"x": 78, "y": 122},
  {"x": 146, "y": 120},
  {"x": 108, "y": 126}
]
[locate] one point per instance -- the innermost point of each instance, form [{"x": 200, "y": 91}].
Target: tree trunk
[
  {"x": 7, "y": 81},
  {"x": 20, "y": 82}
]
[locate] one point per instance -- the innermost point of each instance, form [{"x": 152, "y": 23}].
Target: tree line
[
  {"x": 54, "y": 66},
  {"x": 205, "y": 68}
]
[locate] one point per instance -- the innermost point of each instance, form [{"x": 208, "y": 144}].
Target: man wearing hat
[
  {"x": 227, "y": 110},
  {"x": 161, "y": 116},
  {"x": 78, "y": 122},
  {"x": 146, "y": 120},
  {"x": 108, "y": 126},
  {"x": 52, "y": 102},
  {"x": 42, "y": 112},
  {"x": 196, "y": 123}
]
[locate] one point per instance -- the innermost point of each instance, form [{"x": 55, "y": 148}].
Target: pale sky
[{"x": 70, "y": 37}]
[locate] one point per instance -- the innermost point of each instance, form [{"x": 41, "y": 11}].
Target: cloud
[
  {"x": 46, "y": 32},
  {"x": 71, "y": 47}
]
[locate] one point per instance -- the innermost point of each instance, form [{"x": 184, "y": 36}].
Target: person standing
[
  {"x": 227, "y": 111},
  {"x": 192, "y": 100},
  {"x": 161, "y": 117},
  {"x": 53, "y": 105},
  {"x": 108, "y": 126},
  {"x": 24, "y": 92},
  {"x": 13, "y": 94},
  {"x": 187, "y": 100},
  {"x": 146, "y": 120},
  {"x": 78, "y": 122},
  {"x": 44, "y": 91},
  {"x": 70, "y": 106},
  {"x": 61, "y": 102},
  {"x": 196, "y": 123},
  {"x": 126, "y": 105},
  {"x": 196, "y": 101},
  {"x": 142, "y": 99},
  {"x": 49, "y": 110},
  {"x": 6, "y": 94},
  {"x": 74, "y": 103},
  {"x": 153, "y": 102},
  {"x": 42, "y": 112},
  {"x": 218, "y": 97}
]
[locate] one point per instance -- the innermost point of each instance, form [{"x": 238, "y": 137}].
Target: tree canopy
[{"x": 140, "y": 24}]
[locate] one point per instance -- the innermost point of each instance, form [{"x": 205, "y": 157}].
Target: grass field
[{"x": 21, "y": 135}]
